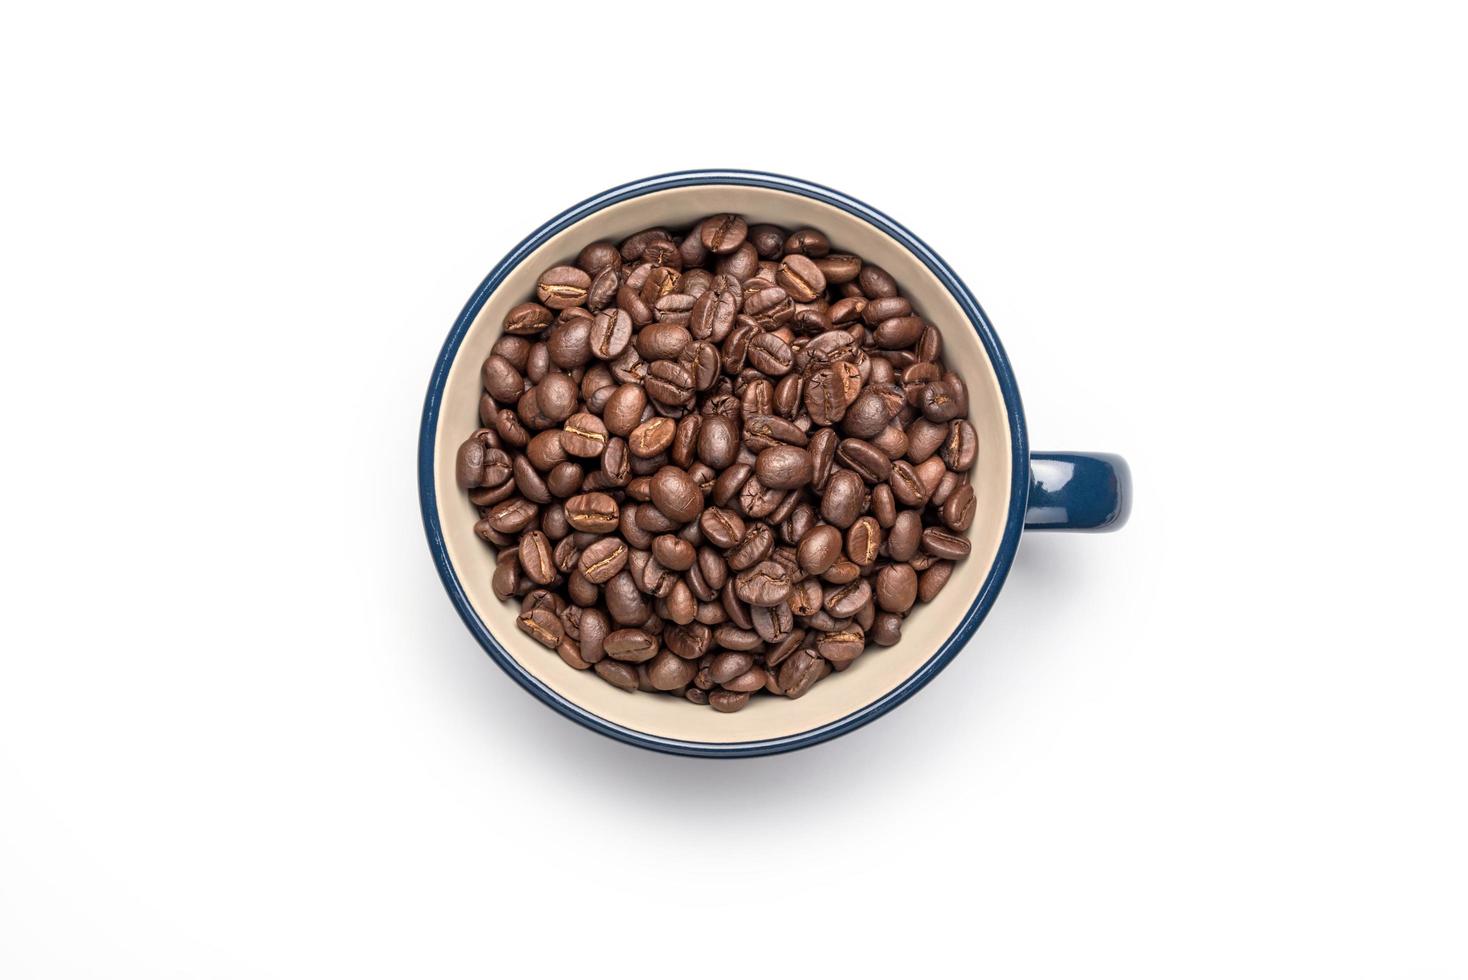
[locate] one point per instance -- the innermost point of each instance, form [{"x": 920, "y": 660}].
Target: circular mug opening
[{"x": 881, "y": 677}]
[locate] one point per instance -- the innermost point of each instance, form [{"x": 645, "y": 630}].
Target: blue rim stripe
[{"x": 1019, "y": 482}]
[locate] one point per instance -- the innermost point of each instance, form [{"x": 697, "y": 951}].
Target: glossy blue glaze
[
  {"x": 1078, "y": 492},
  {"x": 1014, "y": 518}
]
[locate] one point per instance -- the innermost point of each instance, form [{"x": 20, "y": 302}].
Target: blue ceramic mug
[{"x": 1017, "y": 490}]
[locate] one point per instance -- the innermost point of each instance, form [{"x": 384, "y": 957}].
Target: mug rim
[{"x": 947, "y": 650}]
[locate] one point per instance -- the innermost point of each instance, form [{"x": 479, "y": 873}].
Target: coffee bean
[
  {"x": 822, "y": 455},
  {"x": 808, "y": 242},
  {"x": 557, "y": 396},
  {"x": 868, "y": 414},
  {"x": 661, "y": 341},
  {"x": 570, "y": 654},
  {"x": 701, "y": 360},
  {"x": 615, "y": 471},
  {"x": 732, "y": 637},
  {"x": 722, "y": 528},
  {"x": 875, "y": 283},
  {"x": 763, "y": 431},
  {"x": 654, "y": 521},
  {"x": 507, "y": 580},
  {"x": 842, "y": 501},
  {"x": 668, "y": 671},
  {"x": 932, "y": 580},
  {"x": 958, "y": 508},
  {"x": 486, "y": 532},
  {"x": 680, "y": 606},
  {"x": 830, "y": 390},
  {"x": 898, "y": 332},
  {"x": 603, "y": 559},
  {"x": 515, "y": 349},
  {"x": 740, "y": 263},
  {"x": 748, "y": 682},
  {"x": 674, "y": 553},
  {"x": 718, "y": 442},
  {"x": 597, "y": 513},
  {"x": 669, "y": 383},
  {"x": 537, "y": 362},
  {"x": 494, "y": 476},
  {"x": 512, "y": 516},
  {"x": 563, "y": 286},
  {"x": 598, "y": 256},
  {"x": 961, "y": 449},
  {"x": 713, "y": 315},
  {"x": 784, "y": 467},
  {"x": 772, "y": 623},
  {"x": 731, "y": 482},
  {"x": 892, "y": 441},
  {"x": 569, "y": 343},
  {"x": 535, "y": 558},
  {"x": 905, "y": 537},
  {"x": 846, "y": 600},
  {"x": 553, "y": 521},
  {"x": 799, "y": 673},
  {"x": 624, "y": 599},
  {"x": 630, "y": 646},
  {"x": 617, "y": 674},
  {"x": 655, "y": 282},
  {"x": 691, "y": 252},
  {"x": 768, "y": 352},
  {"x": 884, "y": 308},
  {"x": 603, "y": 291},
  {"x": 593, "y": 628},
  {"x": 527, "y": 319},
  {"x": 896, "y": 588},
  {"x": 757, "y": 544},
  {"x": 624, "y": 409},
  {"x": 924, "y": 438},
  {"x": 766, "y": 584},
  {"x": 819, "y": 549},
  {"x": 663, "y": 253},
  {"x": 839, "y": 268},
  {"x": 863, "y": 540},
  {"x": 584, "y": 435},
  {"x": 545, "y": 450},
  {"x": 801, "y": 278},
  {"x": 689, "y": 641},
  {"x": 864, "y": 459},
  {"x": 610, "y": 333},
  {"x": 936, "y": 542},
  {"x": 542, "y": 625},
  {"x": 674, "y": 309},
  {"x": 500, "y": 378},
  {"x": 507, "y": 426},
  {"x": 723, "y": 233},
  {"x": 758, "y": 500},
  {"x": 469, "y": 464},
  {"x": 841, "y": 647},
  {"x": 789, "y": 394},
  {"x": 727, "y": 701},
  {"x": 938, "y": 402},
  {"x": 676, "y": 495},
  {"x": 652, "y": 437},
  {"x": 727, "y": 666}
]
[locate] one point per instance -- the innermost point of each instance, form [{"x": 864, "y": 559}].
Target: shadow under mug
[{"x": 1017, "y": 490}]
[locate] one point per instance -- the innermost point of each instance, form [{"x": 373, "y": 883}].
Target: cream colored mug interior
[{"x": 877, "y": 671}]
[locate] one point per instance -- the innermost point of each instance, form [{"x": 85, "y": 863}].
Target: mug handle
[{"x": 1078, "y": 492}]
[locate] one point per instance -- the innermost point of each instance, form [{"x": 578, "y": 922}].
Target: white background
[{"x": 243, "y": 734}]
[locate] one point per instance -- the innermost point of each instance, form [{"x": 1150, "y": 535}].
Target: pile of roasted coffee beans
[{"x": 719, "y": 462}]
